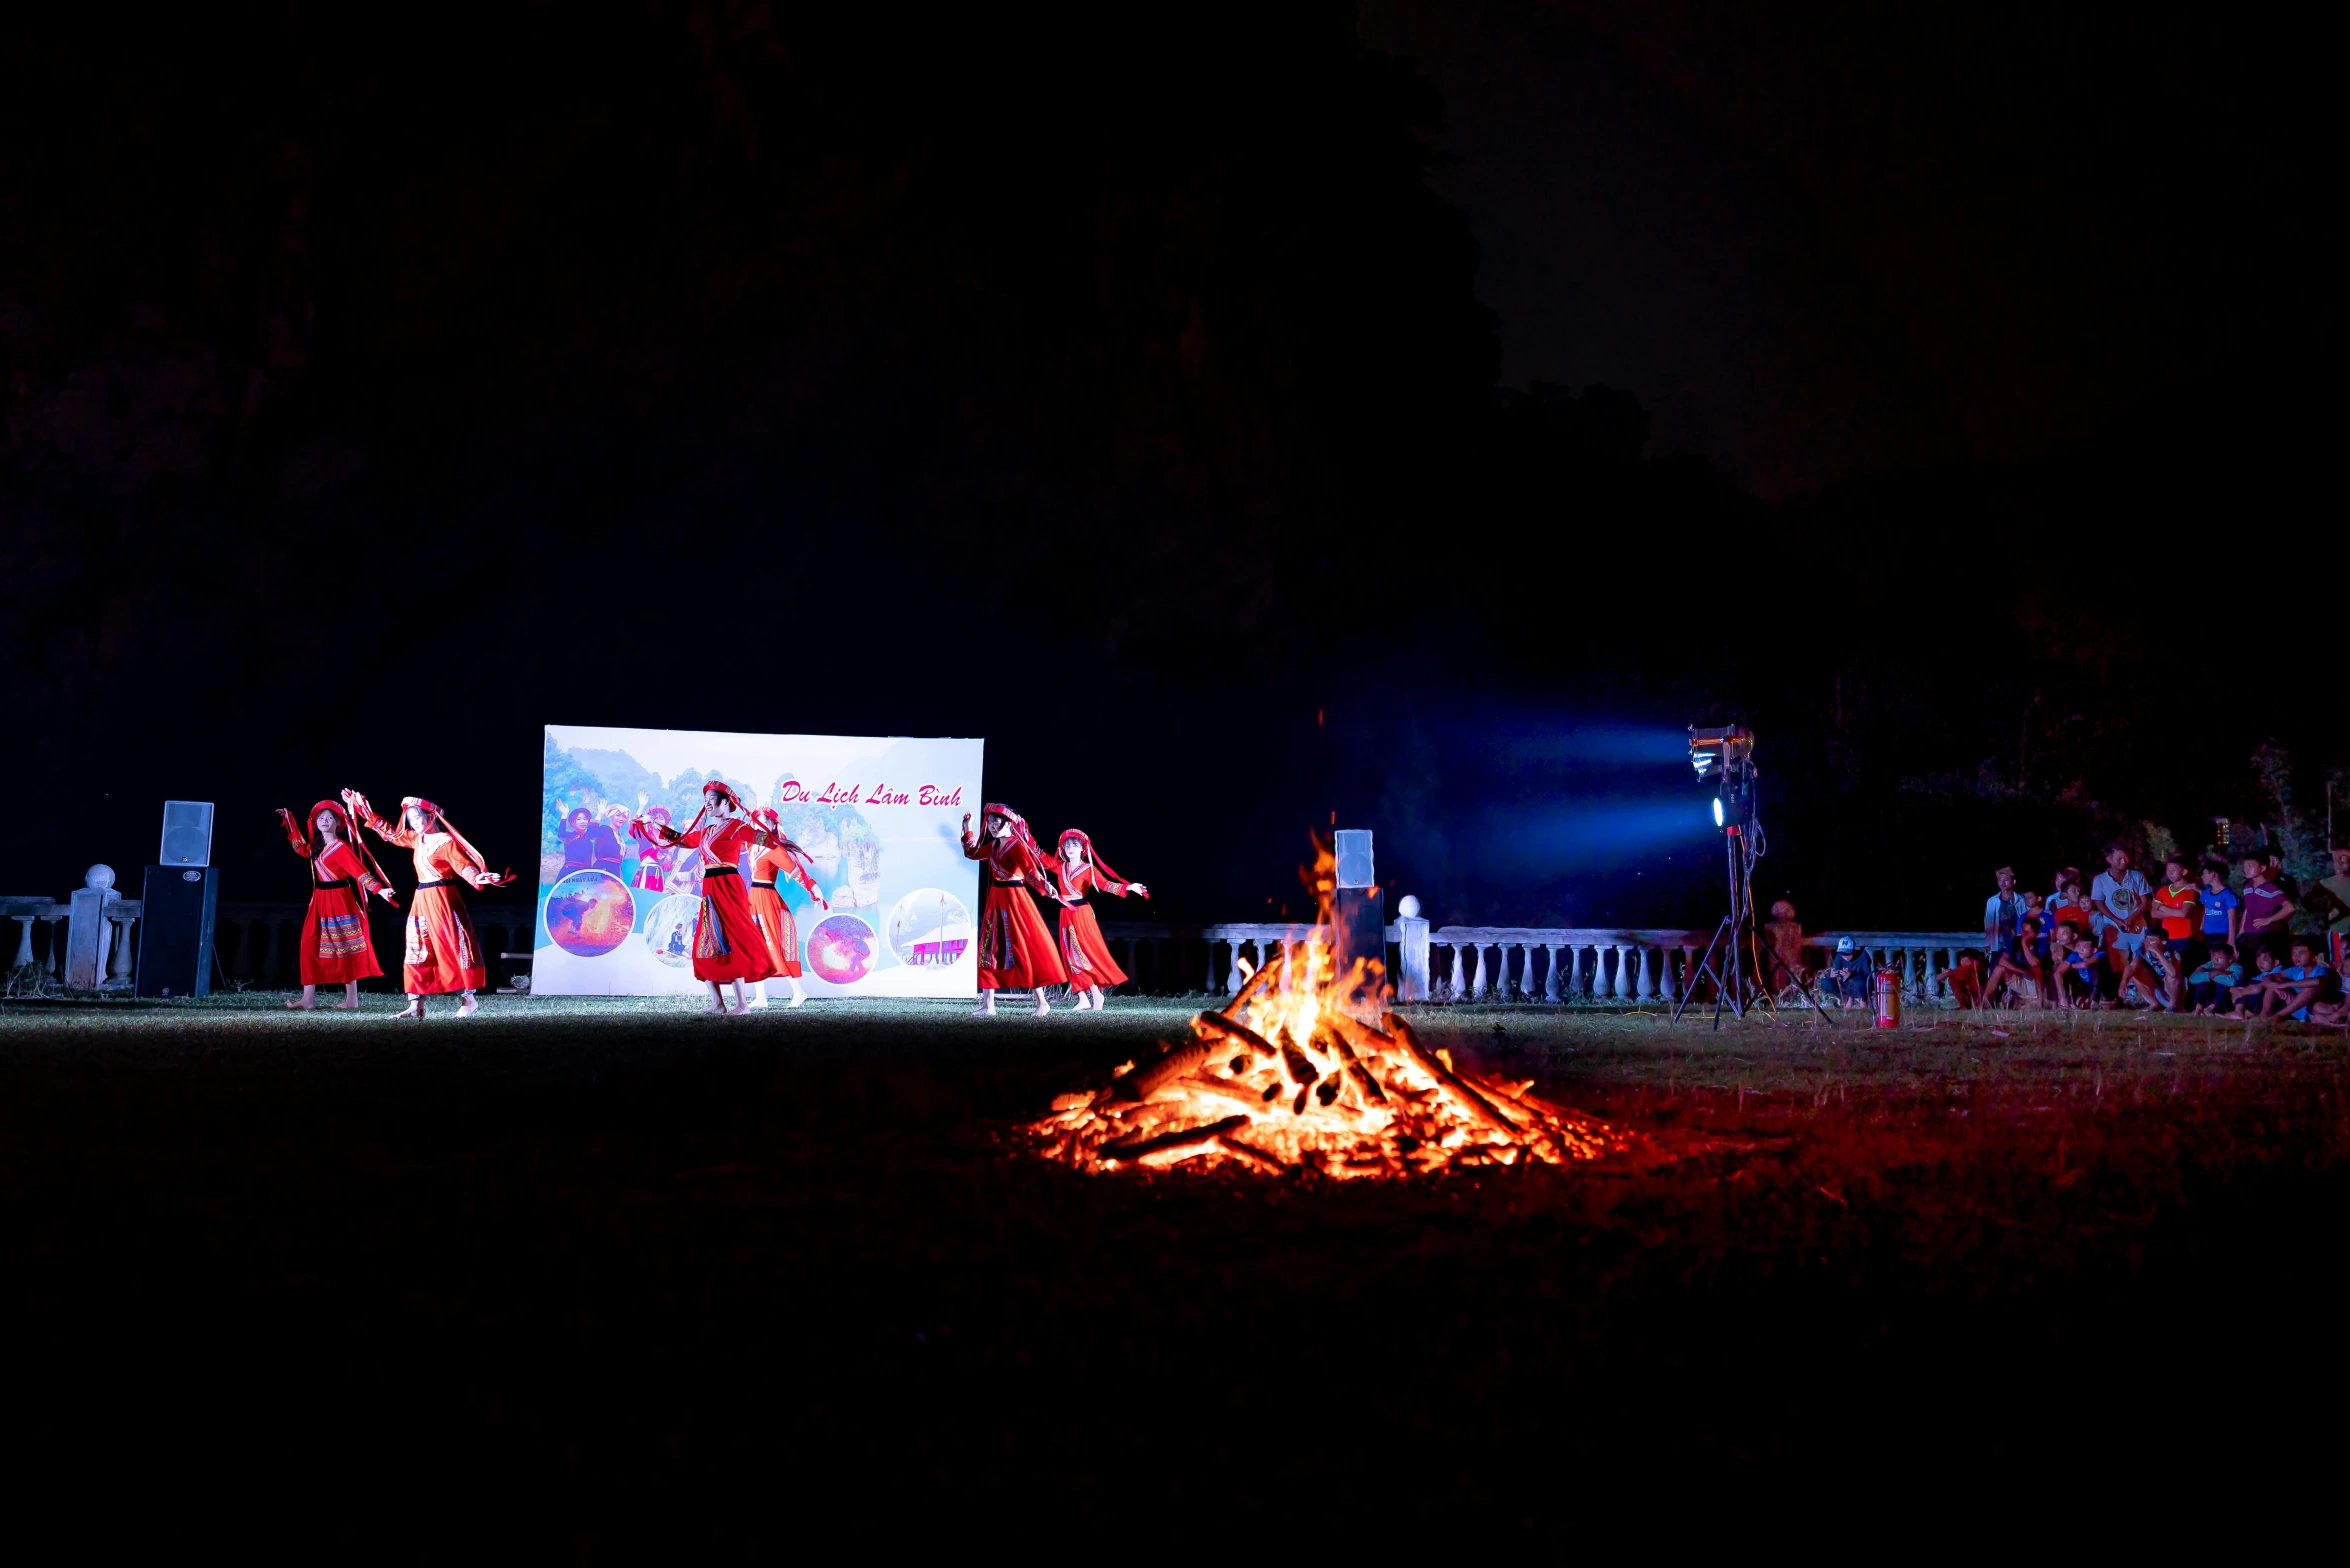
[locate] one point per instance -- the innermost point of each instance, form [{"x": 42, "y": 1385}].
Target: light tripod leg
[{"x": 1705, "y": 966}]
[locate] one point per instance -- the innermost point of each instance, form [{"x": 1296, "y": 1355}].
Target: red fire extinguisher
[{"x": 1888, "y": 998}]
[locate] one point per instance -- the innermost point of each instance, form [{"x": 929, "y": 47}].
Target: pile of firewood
[{"x": 1279, "y": 1081}]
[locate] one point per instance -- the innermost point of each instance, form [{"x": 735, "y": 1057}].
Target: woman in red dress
[
  {"x": 443, "y": 954},
  {"x": 728, "y": 944},
  {"x": 1083, "y": 952},
  {"x": 1015, "y": 950},
  {"x": 335, "y": 945},
  {"x": 779, "y": 859}
]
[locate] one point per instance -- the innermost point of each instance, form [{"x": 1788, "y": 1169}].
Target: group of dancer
[
  {"x": 1016, "y": 953},
  {"x": 741, "y": 933},
  {"x": 442, "y": 954}
]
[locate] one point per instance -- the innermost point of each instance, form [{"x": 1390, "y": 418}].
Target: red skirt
[
  {"x": 1085, "y": 953},
  {"x": 728, "y": 944},
  {"x": 335, "y": 944},
  {"x": 443, "y": 953},
  {"x": 779, "y": 928},
  {"x": 1015, "y": 950}
]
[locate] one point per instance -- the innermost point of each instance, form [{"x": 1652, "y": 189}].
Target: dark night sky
[{"x": 380, "y": 388}]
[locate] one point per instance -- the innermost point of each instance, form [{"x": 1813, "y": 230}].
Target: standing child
[
  {"x": 2178, "y": 910},
  {"x": 1083, "y": 952},
  {"x": 336, "y": 949},
  {"x": 1015, "y": 951},
  {"x": 770, "y": 864},
  {"x": 443, "y": 953},
  {"x": 2268, "y": 911},
  {"x": 2221, "y": 908}
]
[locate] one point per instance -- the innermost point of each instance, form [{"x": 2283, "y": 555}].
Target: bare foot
[
  {"x": 715, "y": 1007},
  {"x": 413, "y": 1010},
  {"x": 468, "y": 1007},
  {"x": 297, "y": 1004},
  {"x": 760, "y": 1000},
  {"x": 1043, "y": 1007},
  {"x": 797, "y": 998},
  {"x": 344, "y": 1007}
]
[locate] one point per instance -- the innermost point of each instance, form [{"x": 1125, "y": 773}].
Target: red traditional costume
[
  {"x": 1015, "y": 950},
  {"x": 443, "y": 954},
  {"x": 781, "y": 858},
  {"x": 728, "y": 943},
  {"x": 653, "y": 859},
  {"x": 1083, "y": 951},
  {"x": 335, "y": 945}
]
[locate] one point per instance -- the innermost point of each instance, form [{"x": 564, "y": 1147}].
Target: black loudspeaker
[{"x": 175, "y": 931}]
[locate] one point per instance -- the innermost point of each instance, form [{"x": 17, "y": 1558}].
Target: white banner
[{"x": 881, "y": 819}]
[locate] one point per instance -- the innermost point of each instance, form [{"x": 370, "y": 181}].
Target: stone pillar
[
  {"x": 1550, "y": 972},
  {"x": 1478, "y": 987},
  {"x": 1624, "y": 952},
  {"x": 1909, "y": 970},
  {"x": 24, "y": 942},
  {"x": 1234, "y": 979},
  {"x": 1668, "y": 985},
  {"x": 1933, "y": 977},
  {"x": 118, "y": 971},
  {"x": 1412, "y": 949},
  {"x": 1645, "y": 987}
]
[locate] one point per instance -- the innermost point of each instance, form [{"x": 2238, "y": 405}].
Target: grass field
[{"x": 621, "y": 1274}]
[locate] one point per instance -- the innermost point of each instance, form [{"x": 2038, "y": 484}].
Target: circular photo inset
[
  {"x": 589, "y": 913},
  {"x": 929, "y": 928},
  {"x": 840, "y": 949},
  {"x": 669, "y": 929}
]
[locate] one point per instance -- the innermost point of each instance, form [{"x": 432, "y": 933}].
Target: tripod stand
[{"x": 1743, "y": 842}]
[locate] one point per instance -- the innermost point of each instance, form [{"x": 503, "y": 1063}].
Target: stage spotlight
[
  {"x": 1717, "y": 811},
  {"x": 1725, "y": 754}
]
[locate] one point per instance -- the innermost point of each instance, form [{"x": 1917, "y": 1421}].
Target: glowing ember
[{"x": 1283, "y": 1079}]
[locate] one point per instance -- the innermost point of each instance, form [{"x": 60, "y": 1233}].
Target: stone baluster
[
  {"x": 1456, "y": 984},
  {"x": 1286, "y": 980},
  {"x": 1909, "y": 970},
  {"x": 1478, "y": 987},
  {"x": 1933, "y": 978},
  {"x": 1209, "y": 984},
  {"x": 1580, "y": 980},
  {"x": 1526, "y": 991},
  {"x": 1624, "y": 952},
  {"x": 118, "y": 971},
  {"x": 1550, "y": 972},
  {"x": 1668, "y": 983},
  {"x": 1235, "y": 979},
  {"x": 24, "y": 942},
  {"x": 1646, "y": 988}
]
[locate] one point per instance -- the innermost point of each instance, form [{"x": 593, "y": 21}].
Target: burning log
[
  {"x": 1237, "y": 1033},
  {"x": 1467, "y": 1098},
  {"x": 1168, "y": 1142},
  {"x": 1144, "y": 1080}
]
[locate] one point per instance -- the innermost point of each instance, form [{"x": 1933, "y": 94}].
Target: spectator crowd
[{"x": 2238, "y": 939}]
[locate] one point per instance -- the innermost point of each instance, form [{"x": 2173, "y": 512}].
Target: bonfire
[{"x": 1290, "y": 1075}]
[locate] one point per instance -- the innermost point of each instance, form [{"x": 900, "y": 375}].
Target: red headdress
[
  {"x": 450, "y": 828},
  {"x": 1020, "y": 831},
  {"x": 1091, "y": 858},
  {"x": 310, "y": 845}
]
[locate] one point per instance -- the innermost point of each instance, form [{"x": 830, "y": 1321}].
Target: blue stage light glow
[{"x": 1718, "y": 811}]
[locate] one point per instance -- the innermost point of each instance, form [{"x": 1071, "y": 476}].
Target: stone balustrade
[
  {"x": 250, "y": 941},
  {"x": 1534, "y": 964}
]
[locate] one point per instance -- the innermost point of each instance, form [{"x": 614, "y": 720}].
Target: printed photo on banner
[{"x": 877, "y": 823}]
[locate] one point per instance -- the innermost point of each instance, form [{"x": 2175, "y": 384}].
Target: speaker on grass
[
  {"x": 187, "y": 833},
  {"x": 175, "y": 930}
]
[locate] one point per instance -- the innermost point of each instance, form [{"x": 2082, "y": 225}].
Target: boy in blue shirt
[
  {"x": 2219, "y": 908},
  {"x": 2293, "y": 988},
  {"x": 2209, "y": 985},
  {"x": 2084, "y": 969}
]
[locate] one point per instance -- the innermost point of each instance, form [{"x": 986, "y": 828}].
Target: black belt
[
  {"x": 443, "y": 882},
  {"x": 721, "y": 871},
  {"x": 322, "y": 887},
  {"x": 769, "y": 886}
]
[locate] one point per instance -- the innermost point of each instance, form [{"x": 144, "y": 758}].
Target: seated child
[
  {"x": 2300, "y": 984},
  {"x": 2209, "y": 985},
  {"x": 2248, "y": 996},
  {"x": 2021, "y": 970},
  {"x": 1966, "y": 980},
  {"x": 2084, "y": 976},
  {"x": 2335, "y": 1013}
]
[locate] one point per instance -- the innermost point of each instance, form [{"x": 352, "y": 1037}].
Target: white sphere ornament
[
  {"x": 1408, "y": 907},
  {"x": 99, "y": 877}
]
